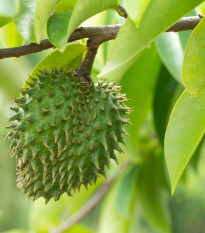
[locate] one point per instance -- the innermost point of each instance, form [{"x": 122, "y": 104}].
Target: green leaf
[
  {"x": 151, "y": 194},
  {"x": 84, "y": 9},
  {"x": 65, "y": 5},
  {"x": 138, "y": 83},
  {"x": 193, "y": 71},
  {"x": 118, "y": 207},
  {"x": 136, "y": 9},
  {"x": 10, "y": 37},
  {"x": 4, "y": 21},
  {"x": 57, "y": 29},
  {"x": 8, "y": 8},
  {"x": 164, "y": 92},
  {"x": 42, "y": 14},
  {"x": 24, "y": 20},
  {"x": 131, "y": 41},
  {"x": 69, "y": 59},
  {"x": 171, "y": 52},
  {"x": 184, "y": 132}
]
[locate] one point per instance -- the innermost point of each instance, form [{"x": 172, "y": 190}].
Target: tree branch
[
  {"x": 91, "y": 203},
  {"x": 105, "y": 33}
]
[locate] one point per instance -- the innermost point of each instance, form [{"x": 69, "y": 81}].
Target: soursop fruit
[{"x": 65, "y": 132}]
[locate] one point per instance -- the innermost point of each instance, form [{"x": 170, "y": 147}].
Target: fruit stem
[{"x": 86, "y": 66}]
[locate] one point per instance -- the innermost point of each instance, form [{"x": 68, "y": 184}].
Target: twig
[
  {"x": 104, "y": 32},
  {"x": 91, "y": 203}
]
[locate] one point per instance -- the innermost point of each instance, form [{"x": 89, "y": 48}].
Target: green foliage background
[{"x": 149, "y": 67}]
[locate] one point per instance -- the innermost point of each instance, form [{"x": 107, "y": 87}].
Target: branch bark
[
  {"x": 104, "y": 33},
  {"x": 91, "y": 203}
]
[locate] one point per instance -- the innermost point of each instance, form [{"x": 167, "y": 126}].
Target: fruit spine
[{"x": 64, "y": 133}]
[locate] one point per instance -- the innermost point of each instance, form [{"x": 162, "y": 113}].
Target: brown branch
[
  {"x": 91, "y": 203},
  {"x": 105, "y": 33}
]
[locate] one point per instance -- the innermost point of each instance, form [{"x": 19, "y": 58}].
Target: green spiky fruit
[{"x": 65, "y": 132}]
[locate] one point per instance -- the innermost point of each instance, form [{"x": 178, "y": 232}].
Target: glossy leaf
[
  {"x": 84, "y": 9},
  {"x": 151, "y": 194},
  {"x": 184, "y": 132},
  {"x": 9, "y": 8},
  {"x": 10, "y": 37},
  {"x": 159, "y": 16},
  {"x": 171, "y": 52},
  {"x": 136, "y": 9},
  {"x": 193, "y": 71},
  {"x": 42, "y": 13},
  {"x": 116, "y": 215},
  {"x": 138, "y": 83},
  {"x": 57, "y": 29},
  {"x": 164, "y": 92},
  {"x": 58, "y": 59},
  {"x": 24, "y": 20},
  {"x": 4, "y": 21}
]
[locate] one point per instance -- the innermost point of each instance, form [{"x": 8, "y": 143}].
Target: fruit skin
[{"x": 64, "y": 133}]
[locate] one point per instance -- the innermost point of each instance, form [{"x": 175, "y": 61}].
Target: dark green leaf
[{"x": 164, "y": 92}]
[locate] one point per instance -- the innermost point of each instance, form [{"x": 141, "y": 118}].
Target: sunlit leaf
[
  {"x": 10, "y": 37},
  {"x": 193, "y": 71},
  {"x": 68, "y": 59},
  {"x": 24, "y": 20},
  {"x": 136, "y": 9},
  {"x": 42, "y": 13},
  {"x": 8, "y": 8},
  {"x": 159, "y": 16},
  {"x": 116, "y": 215},
  {"x": 84, "y": 9},
  {"x": 65, "y": 5},
  {"x": 4, "y": 21},
  {"x": 57, "y": 29},
  {"x": 184, "y": 132}
]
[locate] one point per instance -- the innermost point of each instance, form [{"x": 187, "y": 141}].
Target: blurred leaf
[
  {"x": 4, "y": 21},
  {"x": 136, "y": 9},
  {"x": 85, "y": 9},
  {"x": 57, "y": 28},
  {"x": 24, "y": 20},
  {"x": 138, "y": 83},
  {"x": 79, "y": 229},
  {"x": 56, "y": 58},
  {"x": 193, "y": 66},
  {"x": 201, "y": 7},
  {"x": 184, "y": 133},
  {"x": 171, "y": 52},
  {"x": 163, "y": 96},
  {"x": 10, "y": 36},
  {"x": 16, "y": 231},
  {"x": 8, "y": 8},
  {"x": 65, "y": 5},
  {"x": 44, "y": 218},
  {"x": 159, "y": 16},
  {"x": 117, "y": 211},
  {"x": 42, "y": 13},
  {"x": 151, "y": 194}
]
